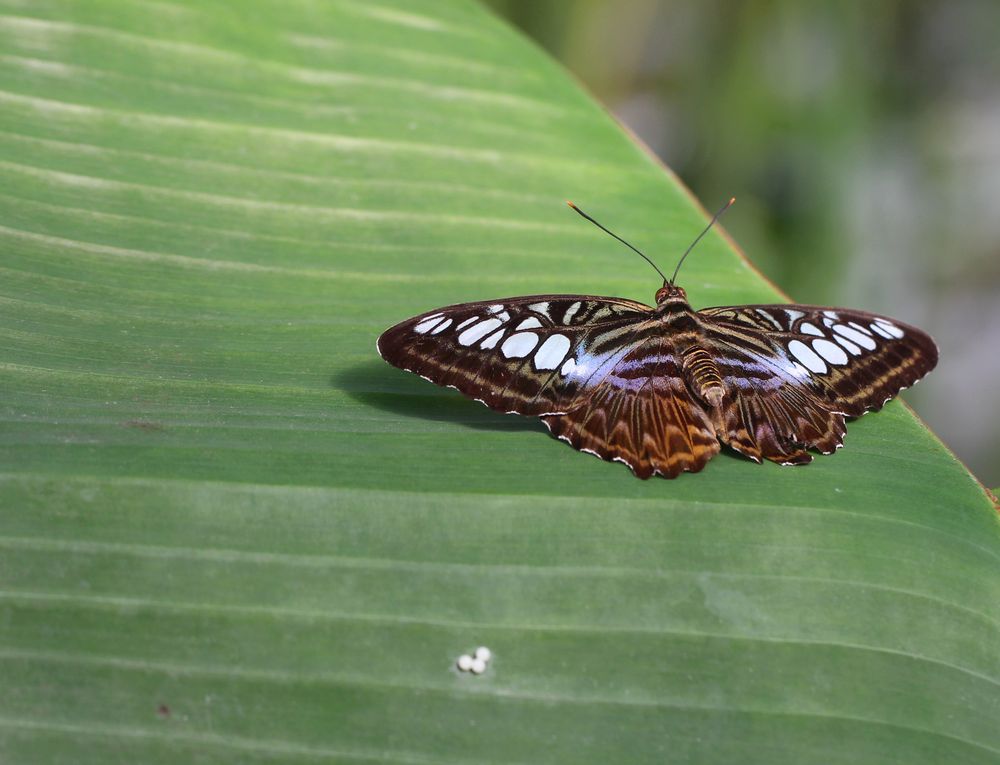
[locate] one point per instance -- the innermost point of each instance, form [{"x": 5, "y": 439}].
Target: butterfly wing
[
  {"x": 605, "y": 376},
  {"x": 852, "y": 360},
  {"x": 601, "y": 373},
  {"x": 642, "y": 414},
  {"x": 535, "y": 355},
  {"x": 794, "y": 372}
]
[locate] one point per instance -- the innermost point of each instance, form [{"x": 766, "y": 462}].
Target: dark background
[{"x": 862, "y": 141}]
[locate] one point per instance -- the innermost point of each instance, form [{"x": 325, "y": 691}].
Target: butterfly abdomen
[{"x": 703, "y": 375}]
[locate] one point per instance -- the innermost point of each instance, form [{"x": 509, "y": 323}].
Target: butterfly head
[{"x": 670, "y": 293}]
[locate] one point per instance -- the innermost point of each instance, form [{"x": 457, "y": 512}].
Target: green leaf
[{"x": 230, "y": 533}]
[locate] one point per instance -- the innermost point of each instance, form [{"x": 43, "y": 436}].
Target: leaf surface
[{"x": 230, "y": 533}]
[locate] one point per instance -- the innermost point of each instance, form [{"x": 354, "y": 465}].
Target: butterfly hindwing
[
  {"x": 642, "y": 414},
  {"x": 532, "y": 355}
]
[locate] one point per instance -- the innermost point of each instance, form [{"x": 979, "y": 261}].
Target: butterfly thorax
[{"x": 685, "y": 328}]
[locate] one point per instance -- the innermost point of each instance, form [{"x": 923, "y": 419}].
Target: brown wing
[
  {"x": 793, "y": 372},
  {"x": 779, "y": 425},
  {"x": 642, "y": 414},
  {"x": 535, "y": 355},
  {"x": 852, "y": 361}
]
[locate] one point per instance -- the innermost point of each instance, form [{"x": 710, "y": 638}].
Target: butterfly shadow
[{"x": 378, "y": 385}]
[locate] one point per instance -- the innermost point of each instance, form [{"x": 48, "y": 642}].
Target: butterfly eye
[{"x": 668, "y": 291}]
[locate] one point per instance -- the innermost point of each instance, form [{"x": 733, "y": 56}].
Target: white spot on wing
[
  {"x": 568, "y": 367},
  {"x": 441, "y": 327},
  {"x": 811, "y": 329},
  {"x": 552, "y": 352},
  {"x": 860, "y": 338},
  {"x": 770, "y": 318},
  {"x": 793, "y": 314},
  {"x": 571, "y": 311},
  {"x": 542, "y": 308},
  {"x": 495, "y": 308},
  {"x": 492, "y": 340},
  {"x": 830, "y": 315},
  {"x": 427, "y": 324},
  {"x": 878, "y": 329},
  {"x": 805, "y": 354},
  {"x": 519, "y": 345},
  {"x": 860, "y": 328},
  {"x": 830, "y": 351},
  {"x": 476, "y": 331},
  {"x": 889, "y": 327},
  {"x": 845, "y": 343},
  {"x": 530, "y": 323},
  {"x": 467, "y": 322}
]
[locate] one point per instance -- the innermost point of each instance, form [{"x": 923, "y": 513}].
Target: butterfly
[{"x": 658, "y": 388}]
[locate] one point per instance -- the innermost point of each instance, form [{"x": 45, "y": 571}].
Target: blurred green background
[{"x": 862, "y": 141}]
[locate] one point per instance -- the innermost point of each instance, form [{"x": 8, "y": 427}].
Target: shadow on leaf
[{"x": 378, "y": 385}]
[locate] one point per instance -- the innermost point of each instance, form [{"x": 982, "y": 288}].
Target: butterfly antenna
[
  {"x": 711, "y": 223},
  {"x": 612, "y": 233}
]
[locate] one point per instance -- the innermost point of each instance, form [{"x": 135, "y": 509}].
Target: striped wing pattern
[
  {"x": 852, "y": 361},
  {"x": 793, "y": 372},
  {"x": 535, "y": 355},
  {"x": 659, "y": 388},
  {"x": 599, "y": 371},
  {"x": 642, "y": 414}
]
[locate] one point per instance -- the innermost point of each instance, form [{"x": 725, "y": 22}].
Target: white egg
[{"x": 484, "y": 653}]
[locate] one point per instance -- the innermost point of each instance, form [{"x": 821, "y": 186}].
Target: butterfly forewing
[
  {"x": 534, "y": 355},
  {"x": 850, "y": 361},
  {"x": 793, "y": 372}
]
